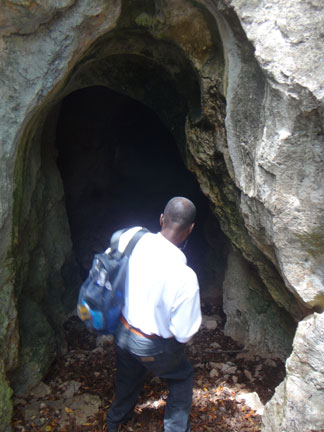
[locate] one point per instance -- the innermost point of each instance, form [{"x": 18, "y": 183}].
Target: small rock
[
  {"x": 253, "y": 401},
  {"x": 215, "y": 345},
  {"x": 211, "y": 324},
  {"x": 229, "y": 368},
  {"x": 216, "y": 365},
  {"x": 248, "y": 375},
  {"x": 31, "y": 411},
  {"x": 82, "y": 406},
  {"x": 270, "y": 362},
  {"x": 56, "y": 405},
  {"x": 213, "y": 373},
  {"x": 72, "y": 389},
  {"x": 41, "y": 390}
]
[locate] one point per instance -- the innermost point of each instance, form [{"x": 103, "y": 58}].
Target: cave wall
[
  {"x": 281, "y": 183},
  {"x": 253, "y": 137},
  {"x": 41, "y": 248},
  {"x": 252, "y": 317}
]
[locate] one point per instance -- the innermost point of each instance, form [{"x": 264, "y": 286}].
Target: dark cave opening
[{"x": 120, "y": 165}]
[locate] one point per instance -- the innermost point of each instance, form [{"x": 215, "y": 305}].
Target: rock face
[
  {"x": 252, "y": 318},
  {"x": 283, "y": 184},
  {"x": 298, "y": 402},
  {"x": 240, "y": 86}
]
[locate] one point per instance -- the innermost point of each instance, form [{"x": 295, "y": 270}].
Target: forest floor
[{"x": 230, "y": 386}]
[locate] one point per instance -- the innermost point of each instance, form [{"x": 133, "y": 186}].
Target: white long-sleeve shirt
[{"x": 162, "y": 292}]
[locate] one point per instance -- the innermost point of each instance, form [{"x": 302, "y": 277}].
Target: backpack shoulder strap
[
  {"x": 115, "y": 238},
  {"x": 131, "y": 244}
]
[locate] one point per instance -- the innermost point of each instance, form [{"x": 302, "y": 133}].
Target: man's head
[{"x": 178, "y": 218}]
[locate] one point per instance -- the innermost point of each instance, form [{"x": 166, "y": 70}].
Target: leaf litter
[{"x": 79, "y": 388}]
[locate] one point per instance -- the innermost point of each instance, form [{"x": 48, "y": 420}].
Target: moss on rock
[
  {"x": 37, "y": 346},
  {"x": 6, "y": 406}
]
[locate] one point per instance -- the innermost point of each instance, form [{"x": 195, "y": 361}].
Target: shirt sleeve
[{"x": 186, "y": 314}]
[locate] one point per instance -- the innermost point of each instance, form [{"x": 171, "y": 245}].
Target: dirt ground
[{"x": 80, "y": 386}]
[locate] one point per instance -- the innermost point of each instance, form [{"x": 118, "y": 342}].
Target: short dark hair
[{"x": 180, "y": 211}]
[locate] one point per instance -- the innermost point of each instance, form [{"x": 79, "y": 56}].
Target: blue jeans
[{"x": 137, "y": 356}]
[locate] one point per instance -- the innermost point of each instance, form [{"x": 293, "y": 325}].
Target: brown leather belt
[{"x": 135, "y": 330}]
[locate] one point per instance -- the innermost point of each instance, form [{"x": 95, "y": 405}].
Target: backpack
[{"x": 101, "y": 296}]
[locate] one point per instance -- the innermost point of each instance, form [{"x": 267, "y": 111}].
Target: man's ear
[
  {"x": 161, "y": 219},
  {"x": 191, "y": 228}
]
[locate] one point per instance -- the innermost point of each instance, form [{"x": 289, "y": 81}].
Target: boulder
[{"x": 298, "y": 401}]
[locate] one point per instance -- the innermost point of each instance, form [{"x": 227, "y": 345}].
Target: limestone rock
[
  {"x": 38, "y": 347},
  {"x": 72, "y": 389},
  {"x": 5, "y": 400},
  {"x": 253, "y": 401},
  {"x": 279, "y": 167},
  {"x": 244, "y": 100},
  {"x": 214, "y": 373},
  {"x": 40, "y": 390},
  {"x": 298, "y": 401},
  {"x": 210, "y": 322},
  {"x": 19, "y": 16},
  {"x": 82, "y": 406},
  {"x": 252, "y": 319}
]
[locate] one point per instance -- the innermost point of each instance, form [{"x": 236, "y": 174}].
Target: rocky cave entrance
[
  {"x": 119, "y": 165},
  {"x": 119, "y": 162}
]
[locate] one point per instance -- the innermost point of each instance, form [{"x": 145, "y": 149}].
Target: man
[{"x": 161, "y": 313}]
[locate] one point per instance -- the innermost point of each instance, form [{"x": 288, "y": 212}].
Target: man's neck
[{"x": 172, "y": 236}]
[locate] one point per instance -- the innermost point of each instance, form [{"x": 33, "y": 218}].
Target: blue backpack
[{"x": 101, "y": 296}]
